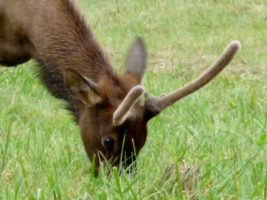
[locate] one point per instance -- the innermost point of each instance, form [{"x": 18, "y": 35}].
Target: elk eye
[{"x": 108, "y": 143}]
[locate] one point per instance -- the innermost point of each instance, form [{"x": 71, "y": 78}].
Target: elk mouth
[
  {"x": 127, "y": 163},
  {"x": 124, "y": 162}
]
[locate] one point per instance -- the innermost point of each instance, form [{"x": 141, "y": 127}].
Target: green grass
[{"x": 219, "y": 132}]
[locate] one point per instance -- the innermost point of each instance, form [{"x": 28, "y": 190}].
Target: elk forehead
[{"x": 111, "y": 91}]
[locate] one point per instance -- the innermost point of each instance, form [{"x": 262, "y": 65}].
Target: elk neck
[{"x": 61, "y": 39}]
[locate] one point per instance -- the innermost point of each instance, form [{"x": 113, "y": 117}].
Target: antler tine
[
  {"x": 160, "y": 103},
  {"x": 123, "y": 110}
]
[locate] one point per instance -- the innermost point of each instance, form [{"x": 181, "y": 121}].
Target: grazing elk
[{"x": 107, "y": 106}]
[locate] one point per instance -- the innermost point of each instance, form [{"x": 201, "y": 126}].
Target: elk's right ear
[
  {"x": 136, "y": 60},
  {"x": 82, "y": 88}
]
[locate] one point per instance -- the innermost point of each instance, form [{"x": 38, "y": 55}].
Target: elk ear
[
  {"x": 82, "y": 88},
  {"x": 136, "y": 60}
]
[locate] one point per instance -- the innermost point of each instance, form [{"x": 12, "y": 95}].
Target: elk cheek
[
  {"x": 142, "y": 135},
  {"x": 136, "y": 138}
]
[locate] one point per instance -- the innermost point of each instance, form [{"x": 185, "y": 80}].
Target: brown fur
[{"x": 55, "y": 35}]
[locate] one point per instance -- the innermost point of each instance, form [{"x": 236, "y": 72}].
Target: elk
[{"x": 111, "y": 109}]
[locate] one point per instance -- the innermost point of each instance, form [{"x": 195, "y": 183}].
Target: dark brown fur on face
[{"x": 108, "y": 107}]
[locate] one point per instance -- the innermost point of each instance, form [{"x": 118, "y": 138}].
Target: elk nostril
[{"x": 109, "y": 143}]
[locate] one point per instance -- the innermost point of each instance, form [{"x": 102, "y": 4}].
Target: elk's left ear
[
  {"x": 136, "y": 60},
  {"x": 82, "y": 88}
]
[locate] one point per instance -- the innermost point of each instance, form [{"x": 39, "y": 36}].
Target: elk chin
[{"x": 126, "y": 164}]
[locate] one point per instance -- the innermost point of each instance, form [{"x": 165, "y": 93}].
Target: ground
[{"x": 211, "y": 145}]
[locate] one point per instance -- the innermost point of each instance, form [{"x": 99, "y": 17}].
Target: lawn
[{"x": 210, "y": 145}]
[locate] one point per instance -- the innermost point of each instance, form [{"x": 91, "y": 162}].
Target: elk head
[{"x": 115, "y": 112}]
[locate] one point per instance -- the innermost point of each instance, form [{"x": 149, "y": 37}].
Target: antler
[
  {"x": 156, "y": 104},
  {"x": 123, "y": 110}
]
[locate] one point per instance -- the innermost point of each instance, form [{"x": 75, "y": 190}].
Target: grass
[{"x": 218, "y": 136}]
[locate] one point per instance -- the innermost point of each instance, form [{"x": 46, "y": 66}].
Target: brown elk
[{"x": 112, "y": 110}]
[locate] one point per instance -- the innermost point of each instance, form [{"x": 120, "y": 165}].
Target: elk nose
[{"x": 108, "y": 143}]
